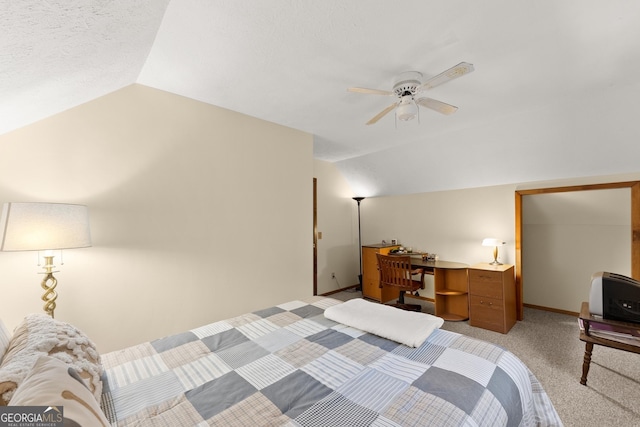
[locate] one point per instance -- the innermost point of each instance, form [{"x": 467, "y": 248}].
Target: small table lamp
[
  {"x": 495, "y": 243},
  {"x": 44, "y": 227}
]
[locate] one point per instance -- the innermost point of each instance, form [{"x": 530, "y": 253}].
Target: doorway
[{"x": 634, "y": 251}]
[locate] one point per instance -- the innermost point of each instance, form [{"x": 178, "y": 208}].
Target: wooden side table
[{"x": 590, "y": 326}]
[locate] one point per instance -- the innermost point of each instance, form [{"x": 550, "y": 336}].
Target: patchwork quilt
[{"x": 288, "y": 365}]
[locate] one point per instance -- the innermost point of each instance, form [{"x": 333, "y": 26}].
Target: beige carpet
[{"x": 548, "y": 344}]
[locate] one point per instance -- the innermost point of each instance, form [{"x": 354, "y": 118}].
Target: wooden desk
[
  {"x": 586, "y": 335},
  {"x": 450, "y": 287},
  {"x": 430, "y": 266},
  {"x": 450, "y": 282}
]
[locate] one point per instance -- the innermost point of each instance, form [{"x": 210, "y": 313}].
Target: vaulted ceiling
[{"x": 554, "y": 94}]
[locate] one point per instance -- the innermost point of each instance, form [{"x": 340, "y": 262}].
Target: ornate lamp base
[{"x": 48, "y": 284}]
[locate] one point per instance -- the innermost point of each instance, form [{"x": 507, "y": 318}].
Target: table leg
[{"x": 587, "y": 361}]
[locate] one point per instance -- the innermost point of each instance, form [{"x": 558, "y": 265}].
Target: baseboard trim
[
  {"x": 553, "y": 310},
  {"x": 326, "y": 294}
]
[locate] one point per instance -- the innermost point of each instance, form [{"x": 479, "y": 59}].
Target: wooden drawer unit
[
  {"x": 485, "y": 283},
  {"x": 492, "y": 297},
  {"x": 371, "y": 275},
  {"x": 486, "y": 313}
]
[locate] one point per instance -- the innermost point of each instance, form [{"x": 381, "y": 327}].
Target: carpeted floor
[{"x": 548, "y": 344}]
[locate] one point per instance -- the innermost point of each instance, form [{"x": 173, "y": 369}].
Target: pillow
[
  {"x": 41, "y": 335},
  {"x": 52, "y": 382},
  {"x": 5, "y": 337}
]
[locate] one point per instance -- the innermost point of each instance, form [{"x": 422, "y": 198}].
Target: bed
[{"x": 292, "y": 365}]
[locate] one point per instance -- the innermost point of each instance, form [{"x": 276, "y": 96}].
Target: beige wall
[
  {"x": 197, "y": 213},
  {"x": 338, "y": 223}
]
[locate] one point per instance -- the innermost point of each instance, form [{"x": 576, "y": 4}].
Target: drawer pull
[{"x": 482, "y": 302}]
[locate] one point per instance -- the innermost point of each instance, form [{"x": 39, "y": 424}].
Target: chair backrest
[{"x": 395, "y": 270}]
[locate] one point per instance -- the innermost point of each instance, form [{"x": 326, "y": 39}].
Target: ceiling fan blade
[
  {"x": 382, "y": 113},
  {"x": 439, "y": 106},
  {"x": 452, "y": 73},
  {"x": 369, "y": 91}
]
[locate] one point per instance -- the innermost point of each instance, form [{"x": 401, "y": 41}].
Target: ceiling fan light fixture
[
  {"x": 407, "y": 110},
  {"x": 409, "y": 88}
]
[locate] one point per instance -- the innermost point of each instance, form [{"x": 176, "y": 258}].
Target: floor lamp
[
  {"x": 44, "y": 227},
  {"x": 359, "y": 199}
]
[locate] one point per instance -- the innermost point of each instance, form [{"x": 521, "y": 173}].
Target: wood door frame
[
  {"x": 315, "y": 236},
  {"x": 635, "y": 227}
]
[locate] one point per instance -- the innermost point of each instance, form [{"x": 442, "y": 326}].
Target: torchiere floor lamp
[{"x": 359, "y": 199}]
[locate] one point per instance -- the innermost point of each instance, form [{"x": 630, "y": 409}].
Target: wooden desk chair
[{"x": 395, "y": 270}]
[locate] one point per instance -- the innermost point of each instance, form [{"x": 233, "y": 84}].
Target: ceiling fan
[{"x": 409, "y": 86}]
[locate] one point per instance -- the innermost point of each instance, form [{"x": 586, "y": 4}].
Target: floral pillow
[{"x": 40, "y": 335}]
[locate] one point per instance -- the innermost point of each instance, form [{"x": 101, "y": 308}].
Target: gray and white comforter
[{"x": 289, "y": 365}]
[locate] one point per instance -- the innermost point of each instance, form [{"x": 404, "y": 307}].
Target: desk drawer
[
  {"x": 487, "y": 313},
  {"x": 485, "y": 283}
]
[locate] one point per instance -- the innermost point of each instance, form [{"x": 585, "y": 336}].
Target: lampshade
[
  {"x": 44, "y": 226},
  {"x": 492, "y": 242},
  {"x": 407, "y": 110}
]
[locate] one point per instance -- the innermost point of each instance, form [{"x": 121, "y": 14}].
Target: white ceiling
[{"x": 554, "y": 93}]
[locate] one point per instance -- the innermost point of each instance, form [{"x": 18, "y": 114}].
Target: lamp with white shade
[
  {"x": 407, "y": 109},
  {"x": 495, "y": 243},
  {"x": 44, "y": 227}
]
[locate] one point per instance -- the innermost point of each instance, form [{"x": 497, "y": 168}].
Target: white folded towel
[{"x": 410, "y": 328}]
